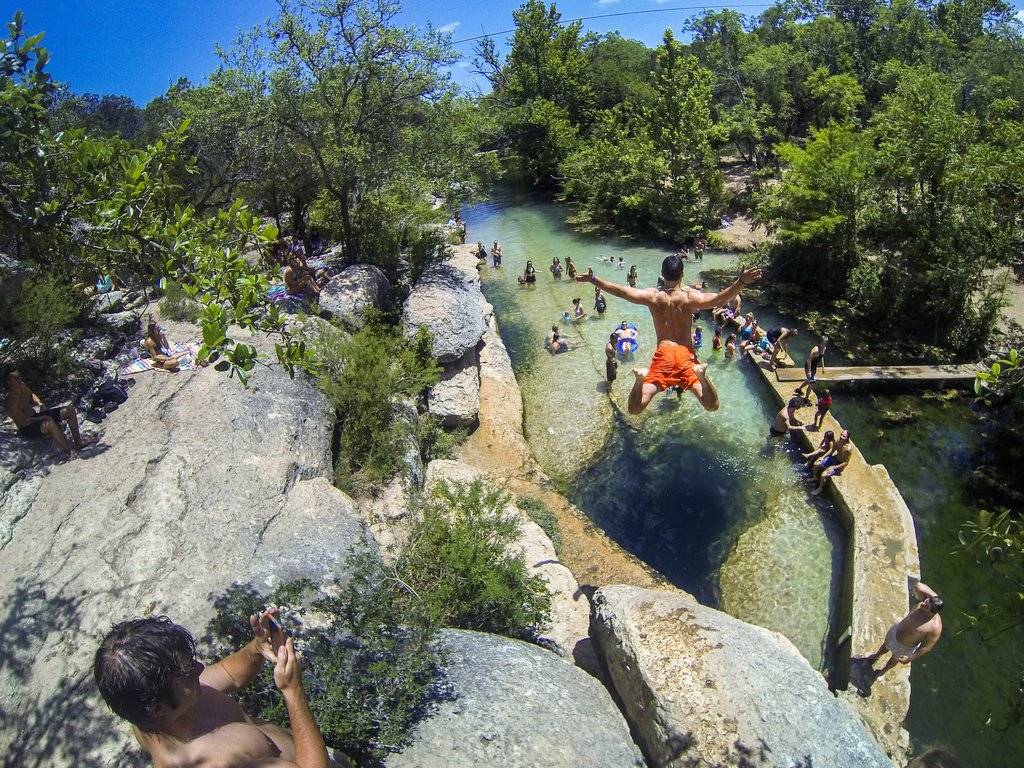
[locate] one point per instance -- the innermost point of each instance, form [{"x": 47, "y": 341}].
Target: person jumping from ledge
[{"x": 674, "y": 363}]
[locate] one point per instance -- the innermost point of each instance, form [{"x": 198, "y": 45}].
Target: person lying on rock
[
  {"x": 915, "y": 634},
  {"x": 33, "y": 419},
  {"x": 159, "y": 349},
  {"x": 181, "y": 710},
  {"x": 298, "y": 279},
  {"x": 672, "y": 307}
]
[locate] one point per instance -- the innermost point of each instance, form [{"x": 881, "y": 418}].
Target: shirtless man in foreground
[
  {"x": 672, "y": 306},
  {"x": 915, "y": 634},
  {"x": 34, "y": 420},
  {"x": 182, "y": 715}
]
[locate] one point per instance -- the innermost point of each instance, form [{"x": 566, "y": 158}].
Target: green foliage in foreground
[
  {"x": 365, "y": 375},
  {"x": 370, "y": 669},
  {"x": 1004, "y": 380},
  {"x": 541, "y": 514},
  {"x": 457, "y": 562}
]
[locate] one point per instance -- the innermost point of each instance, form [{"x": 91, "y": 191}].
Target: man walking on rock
[{"x": 915, "y": 634}]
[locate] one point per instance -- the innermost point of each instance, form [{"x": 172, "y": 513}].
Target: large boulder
[
  {"x": 702, "y": 688},
  {"x": 455, "y": 399},
  {"x": 196, "y": 483},
  {"x": 354, "y": 290},
  {"x": 107, "y": 303},
  {"x": 568, "y": 628},
  {"x": 515, "y": 705},
  {"x": 448, "y": 305}
]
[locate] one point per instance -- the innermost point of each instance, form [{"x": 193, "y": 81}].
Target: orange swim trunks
[{"x": 672, "y": 366}]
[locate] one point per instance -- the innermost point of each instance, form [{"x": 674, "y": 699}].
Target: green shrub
[
  {"x": 178, "y": 305},
  {"x": 541, "y": 514},
  {"x": 33, "y": 323},
  {"x": 363, "y": 375},
  {"x": 457, "y": 562},
  {"x": 435, "y": 441},
  {"x": 370, "y": 668}
]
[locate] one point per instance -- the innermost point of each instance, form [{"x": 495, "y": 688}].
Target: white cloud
[
  {"x": 449, "y": 27},
  {"x": 462, "y": 64},
  {"x": 1020, "y": 15},
  {"x": 603, "y": 3}
]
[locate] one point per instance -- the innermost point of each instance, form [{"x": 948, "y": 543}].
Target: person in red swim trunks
[{"x": 672, "y": 306}]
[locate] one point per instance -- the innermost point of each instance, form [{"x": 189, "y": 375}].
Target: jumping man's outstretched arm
[
  {"x": 634, "y": 295},
  {"x": 710, "y": 300}
]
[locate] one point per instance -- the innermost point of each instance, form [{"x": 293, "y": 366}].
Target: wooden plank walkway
[{"x": 921, "y": 373}]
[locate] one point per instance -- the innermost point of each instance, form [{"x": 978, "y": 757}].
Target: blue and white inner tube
[{"x": 627, "y": 346}]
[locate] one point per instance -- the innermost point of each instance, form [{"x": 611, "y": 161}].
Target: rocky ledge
[{"x": 701, "y": 688}]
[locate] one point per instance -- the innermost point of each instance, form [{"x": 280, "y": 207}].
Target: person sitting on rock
[
  {"x": 298, "y": 280},
  {"x": 834, "y": 463},
  {"x": 181, "y": 711},
  {"x": 34, "y": 420},
  {"x": 159, "y": 349}
]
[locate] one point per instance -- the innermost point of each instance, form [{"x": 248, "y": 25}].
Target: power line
[{"x": 623, "y": 13}]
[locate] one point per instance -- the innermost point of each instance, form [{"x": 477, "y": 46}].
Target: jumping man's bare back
[{"x": 672, "y": 307}]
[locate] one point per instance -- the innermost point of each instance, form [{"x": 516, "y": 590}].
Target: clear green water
[
  {"x": 962, "y": 681},
  {"x": 701, "y": 497}
]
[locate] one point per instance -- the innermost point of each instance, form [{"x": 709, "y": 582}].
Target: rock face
[
  {"x": 109, "y": 302},
  {"x": 455, "y": 399},
  {"x": 351, "y": 292},
  {"x": 518, "y": 706},
  {"x": 704, "y": 689},
  {"x": 448, "y": 304},
  {"x": 194, "y": 484},
  {"x": 568, "y": 632}
]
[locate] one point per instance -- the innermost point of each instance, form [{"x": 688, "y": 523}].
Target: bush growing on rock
[
  {"x": 33, "y": 323},
  {"x": 457, "y": 562},
  {"x": 178, "y": 305},
  {"x": 363, "y": 375},
  {"x": 541, "y": 514},
  {"x": 371, "y": 669}
]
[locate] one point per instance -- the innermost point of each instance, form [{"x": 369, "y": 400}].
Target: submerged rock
[
  {"x": 448, "y": 305},
  {"x": 455, "y": 399},
  {"x": 354, "y": 290},
  {"x": 196, "y": 483},
  {"x": 702, "y": 688},
  {"x": 517, "y": 706}
]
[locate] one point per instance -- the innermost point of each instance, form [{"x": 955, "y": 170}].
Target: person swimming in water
[{"x": 672, "y": 307}]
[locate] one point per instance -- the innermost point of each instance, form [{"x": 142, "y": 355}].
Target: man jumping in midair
[{"x": 672, "y": 306}]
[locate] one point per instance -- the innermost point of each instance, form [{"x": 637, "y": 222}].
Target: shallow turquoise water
[{"x": 701, "y": 497}]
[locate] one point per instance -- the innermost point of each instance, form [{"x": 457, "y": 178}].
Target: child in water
[
  {"x": 716, "y": 342},
  {"x": 730, "y": 346},
  {"x": 698, "y": 338}
]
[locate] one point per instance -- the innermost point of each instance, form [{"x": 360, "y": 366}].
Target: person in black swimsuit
[
  {"x": 815, "y": 359},
  {"x": 34, "y": 420}
]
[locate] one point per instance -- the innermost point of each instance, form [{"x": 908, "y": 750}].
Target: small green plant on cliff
[
  {"x": 435, "y": 441},
  {"x": 364, "y": 376},
  {"x": 458, "y": 563},
  {"x": 178, "y": 305},
  {"x": 370, "y": 667},
  {"x": 542, "y": 515}
]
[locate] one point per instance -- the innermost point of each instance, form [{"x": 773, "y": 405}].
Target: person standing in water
[
  {"x": 496, "y": 254},
  {"x": 570, "y": 268},
  {"x": 600, "y": 303},
  {"x": 631, "y": 278},
  {"x": 730, "y": 346},
  {"x": 611, "y": 364},
  {"x": 915, "y": 634},
  {"x": 672, "y": 307}
]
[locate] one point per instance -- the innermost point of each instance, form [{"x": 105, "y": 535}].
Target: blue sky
[{"x": 140, "y": 47}]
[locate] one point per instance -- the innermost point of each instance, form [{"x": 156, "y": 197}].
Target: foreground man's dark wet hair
[
  {"x": 138, "y": 662},
  {"x": 672, "y": 268}
]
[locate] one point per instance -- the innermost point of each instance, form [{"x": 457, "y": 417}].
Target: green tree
[{"x": 819, "y": 207}]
